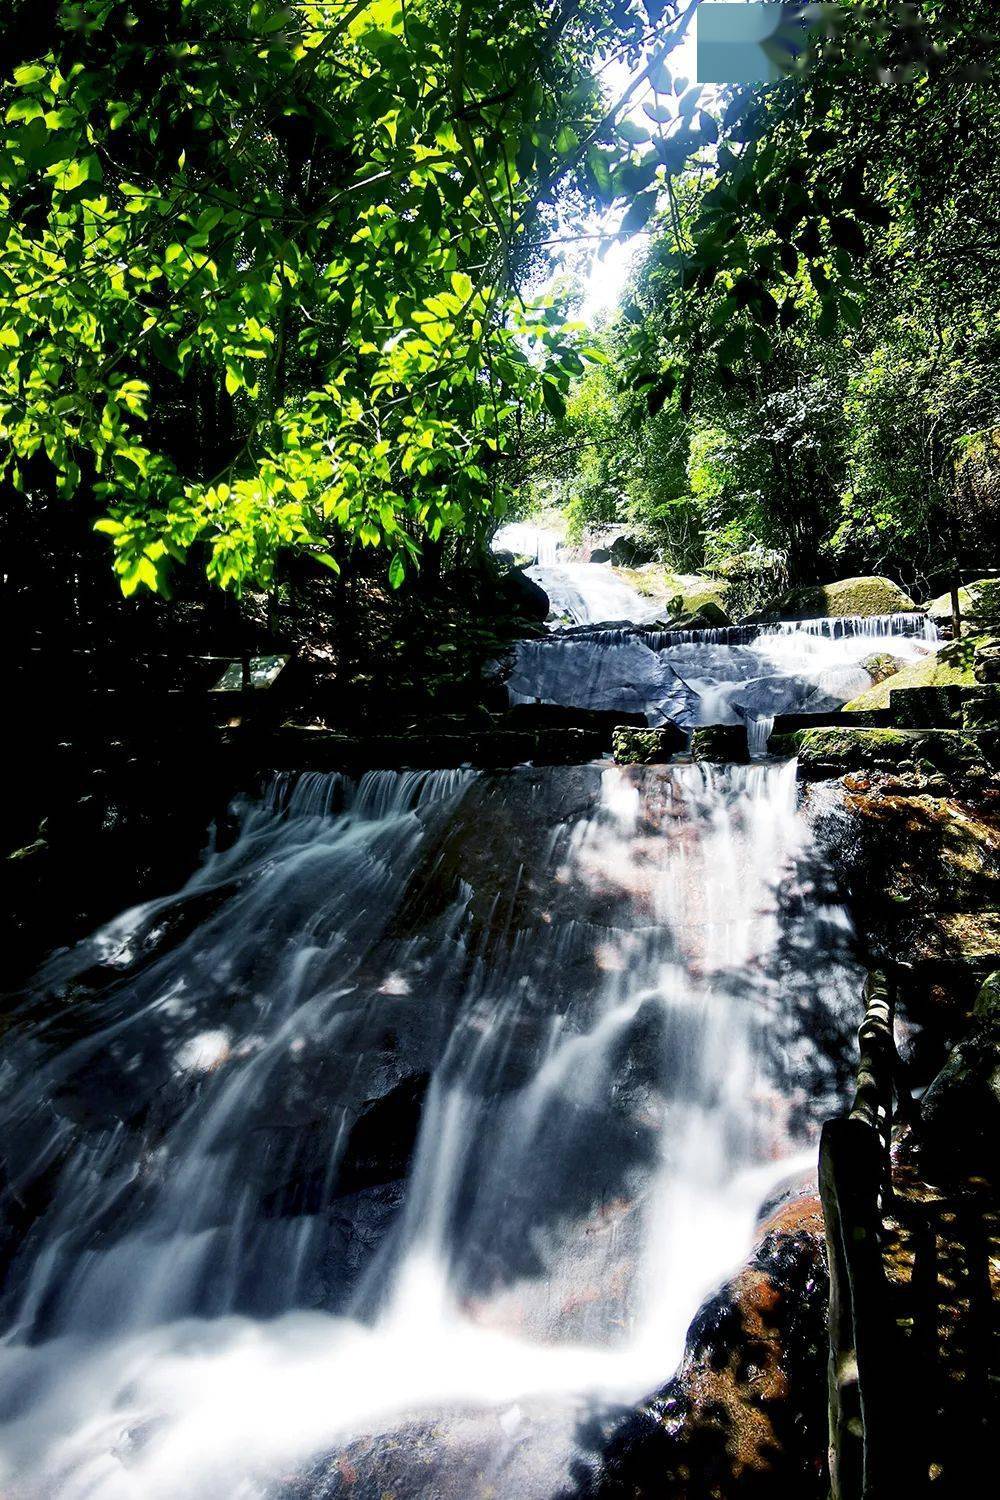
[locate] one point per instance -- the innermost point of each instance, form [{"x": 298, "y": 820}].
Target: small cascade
[
  {"x": 432, "y": 1091},
  {"x": 525, "y": 540},
  {"x": 747, "y": 673},
  {"x": 583, "y": 593},
  {"x": 867, "y": 628}
]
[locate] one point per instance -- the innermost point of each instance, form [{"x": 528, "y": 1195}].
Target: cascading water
[
  {"x": 434, "y": 1092},
  {"x": 726, "y": 676},
  {"x": 587, "y": 593}
]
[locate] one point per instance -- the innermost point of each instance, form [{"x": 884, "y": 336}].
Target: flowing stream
[{"x": 433, "y": 1098}]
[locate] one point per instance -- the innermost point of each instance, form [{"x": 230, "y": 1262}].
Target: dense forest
[{"x": 282, "y": 296}]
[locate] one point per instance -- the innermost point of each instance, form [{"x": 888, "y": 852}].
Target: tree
[{"x": 260, "y": 265}]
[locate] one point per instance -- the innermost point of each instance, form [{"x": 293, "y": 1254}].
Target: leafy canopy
[{"x": 260, "y": 269}]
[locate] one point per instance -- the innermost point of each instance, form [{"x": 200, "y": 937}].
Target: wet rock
[
  {"x": 615, "y": 670},
  {"x": 832, "y": 751},
  {"x": 523, "y": 595},
  {"x": 866, "y": 595},
  {"x": 646, "y": 747},
  {"x": 745, "y": 1416},
  {"x": 881, "y": 665},
  {"x": 720, "y": 742},
  {"x": 518, "y": 1450}
]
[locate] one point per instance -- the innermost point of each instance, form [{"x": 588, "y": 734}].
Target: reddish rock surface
[{"x": 745, "y": 1416}]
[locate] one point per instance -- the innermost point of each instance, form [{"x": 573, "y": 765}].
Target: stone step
[
  {"x": 302, "y": 748},
  {"x": 827, "y": 752}
]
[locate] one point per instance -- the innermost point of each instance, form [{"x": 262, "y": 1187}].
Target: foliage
[
  {"x": 261, "y": 262},
  {"x": 818, "y": 310}
]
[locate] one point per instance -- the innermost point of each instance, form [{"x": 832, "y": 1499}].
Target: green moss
[
  {"x": 632, "y": 746},
  {"x": 871, "y": 595},
  {"x": 977, "y": 598},
  {"x": 949, "y": 667},
  {"x": 833, "y": 750}
]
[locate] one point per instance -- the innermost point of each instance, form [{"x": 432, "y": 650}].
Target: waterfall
[
  {"x": 525, "y": 540},
  {"x": 582, "y": 593},
  {"x": 432, "y": 1091},
  {"x": 721, "y": 676}
]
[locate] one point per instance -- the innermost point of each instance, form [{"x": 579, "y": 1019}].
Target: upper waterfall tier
[{"x": 747, "y": 673}]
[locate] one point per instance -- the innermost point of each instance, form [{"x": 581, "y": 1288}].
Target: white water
[
  {"x": 613, "y": 979},
  {"x": 588, "y": 593},
  {"x": 525, "y": 540},
  {"x": 726, "y": 676}
]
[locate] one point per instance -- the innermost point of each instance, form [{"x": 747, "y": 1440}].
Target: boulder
[
  {"x": 708, "y": 616},
  {"x": 986, "y": 664},
  {"x": 646, "y": 747},
  {"x": 834, "y": 751},
  {"x": 632, "y": 551},
  {"x": 745, "y": 1416},
  {"x": 523, "y": 595},
  {"x": 867, "y": 595},
  {"x": 987, "y": 1006},
  {"x": 881, "y": 665},
  {"x": 613, "y": 671},
  {"x": 949, "y": 667},
  {"x": 689, "y": 593},
  {"x": 720, "y": 742},
  {"x": 978, "y": 602}
]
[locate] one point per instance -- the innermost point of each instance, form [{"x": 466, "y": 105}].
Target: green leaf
[
  {"x": 397, "y": 571},
  {"x": 631, "y": 131},
  {"x": 24, "y": 109},
  {"x": 851, "y": 312},
  {"x": 638, "y": 212},
  {"x": 848, "y": 234},
  {"x": 28, "y": 74},
  {"x": 553, "y": 399}
]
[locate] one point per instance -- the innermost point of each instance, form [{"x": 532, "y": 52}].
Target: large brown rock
[{"x": 745, "y": 1416}]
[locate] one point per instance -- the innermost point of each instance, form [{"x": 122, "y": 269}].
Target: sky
[{"x": 606, "y": 276}]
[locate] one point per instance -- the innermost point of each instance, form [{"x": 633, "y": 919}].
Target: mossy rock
[
  {"x": 952, "y": 666},
  {"x": 696, "y": 592},
  {"x": 721, "y": 742},
  {"x": 632, "y": 746},
  {"x": 978, "y": 601},
  {"x": 865, "y": 596},
  {"x": 981, "y": 708},
  {"x": 833, "y": 751},
  {"x": 987, "y": 1006},
  {"x": 881, "y": 664}
]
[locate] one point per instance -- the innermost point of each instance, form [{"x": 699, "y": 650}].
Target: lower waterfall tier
[{"x": 431, "y": 1090}]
